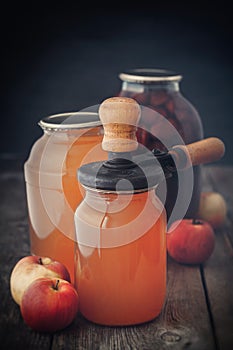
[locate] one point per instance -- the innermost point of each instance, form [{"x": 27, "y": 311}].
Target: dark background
[{"x": 65, "y": 58}]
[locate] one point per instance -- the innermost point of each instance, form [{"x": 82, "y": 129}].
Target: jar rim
[
  {"x": 123, "y": 192},
  {"x": 143, "y": 75},
  {"x": 70, "y": 120}
]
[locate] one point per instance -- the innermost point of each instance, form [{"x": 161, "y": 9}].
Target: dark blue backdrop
[{"x": 67, "y": 58}]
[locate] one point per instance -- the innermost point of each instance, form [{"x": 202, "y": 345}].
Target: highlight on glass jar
[
  {"x": 68, "y": 140},
  {"x": 120, "y": 254}
]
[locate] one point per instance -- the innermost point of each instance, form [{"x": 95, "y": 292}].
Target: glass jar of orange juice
[
  {"x": 120, "y": 254},
  {"x": 53, "y": 193}
]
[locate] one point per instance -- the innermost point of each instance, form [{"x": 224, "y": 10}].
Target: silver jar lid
[
  {"x": 71, "y": 120},
  {"x": 148, "y": 75}
]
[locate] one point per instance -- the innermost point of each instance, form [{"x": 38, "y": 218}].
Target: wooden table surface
[{"x": 198, "y": 312}]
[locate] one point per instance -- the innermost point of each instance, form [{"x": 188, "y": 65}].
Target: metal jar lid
[
  {"x": 149, "y": 75},
  {"x": 68, "y": 121},
  {"x": 122, "y": 175}
]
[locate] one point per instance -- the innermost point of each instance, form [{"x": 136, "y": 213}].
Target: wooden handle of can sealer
[
  {"x": 119, "y": 116},
  {"x": 201, "y": 152}
]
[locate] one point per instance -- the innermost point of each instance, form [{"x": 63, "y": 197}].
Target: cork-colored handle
[
  {"x": 201, "y": 152},
  {"x": 119, "y": 116}
]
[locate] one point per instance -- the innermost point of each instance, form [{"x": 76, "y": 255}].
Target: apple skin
[
  {"x": 191, "y": 241},
  {"x": 49, "y": 304},
  {"x": 30, "y": 268},
  {"x": 212, "y": 208}
]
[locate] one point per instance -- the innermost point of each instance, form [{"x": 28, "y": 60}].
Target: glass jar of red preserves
[{"x": 159, "y": 90}]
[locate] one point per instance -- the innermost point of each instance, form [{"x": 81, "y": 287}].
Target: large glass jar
[
  {"x": 120, "y": 256},
  {"x": 159, "y": 90},
  {"x": 53, "y": 192}
]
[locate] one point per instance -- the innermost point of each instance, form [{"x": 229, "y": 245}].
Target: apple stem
[
  {"x": 196, "y": 222},
  {"x": 40, "y": 261},
  {"x": 56, "y": 285}
]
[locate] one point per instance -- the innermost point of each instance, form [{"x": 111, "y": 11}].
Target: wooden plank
[
  {"x": 14, "y": 334},
  {"x": 13, "y": 213},
  {"x": 183, "y": 323},
  {"x": 221, "y": 180},
  {"x": 185, "y": 312},
  {"x": 14, "y": 244},
  {"x": 218, "y": 273}
]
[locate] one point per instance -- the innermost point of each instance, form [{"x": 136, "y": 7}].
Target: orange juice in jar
[
  {"x": 121, "y": 257},
  {"x": 53, "y": 192}
]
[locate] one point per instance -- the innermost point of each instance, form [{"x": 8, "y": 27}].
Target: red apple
[
  {"x": 30, "y": 268},
  {"x": 191, "y": 241},
  {"x": 212, "y": 208},
  {"x": 49, "y": 304}
]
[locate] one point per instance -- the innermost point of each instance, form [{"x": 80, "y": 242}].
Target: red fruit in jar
[
  {"x": 141, "y": 98},
  {"x": 158, "y": 98},
  {"x": 170, "y": 106}
]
